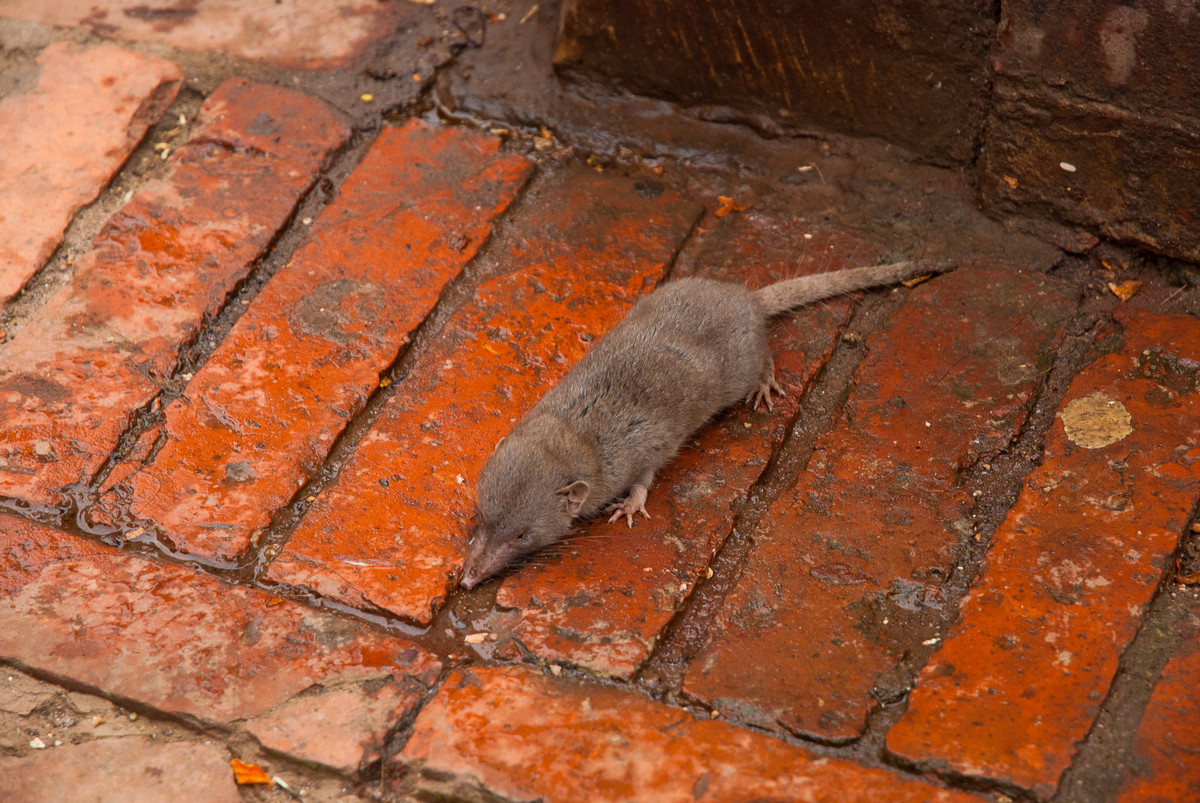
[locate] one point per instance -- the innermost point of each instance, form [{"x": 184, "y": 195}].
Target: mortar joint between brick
[
  {"x": 218, "y": 730},
  {"x": 857, "y": 750},
  {"x": 141, "y": 166},
  {"x": 290, "y": 236},
  {"x": 979, "y": 136},
  {"x": 932, "y": 771},
  {"x": 454, "y": 294},
  {"x": 197, "y": 350},
  {"x": 1000, "y": 486},
  {"x": 821, "y": 400},
  {"x": 1098, "y": 756}
]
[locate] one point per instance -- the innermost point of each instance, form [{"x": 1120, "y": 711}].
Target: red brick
[
  {"x": 391, "y": 532},
  {"x": 844, "y": 561},
  {"x": 602, "y": 603},
  {"x": 1022, "y": 675},
  {"x": 354, "y": 717},
  {"x": 1167, "y": 740},
  {"x": 523, "y": 735},
  {"x": 99, "y": 349},
  {"x": 317, "y": 34},
  {"x": 170, "y": 639},
  {"x": 260, "y": 416},
  {"x": 65, "y": 138},
  {"x": 144, "y": 770}
]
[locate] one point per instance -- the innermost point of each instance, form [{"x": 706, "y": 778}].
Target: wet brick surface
[
  {"x": 869, "y": 534},
  {"x": 602, "y": 603},
  {"x": 392, "y": 532},
  {"x": 320, "y": 33},
  {"x": 1020, "y": 678},
  {"x": 64, "y": 138},
  {"x": 176, "y": 641},
  {"x": 1168, "y": 741},
  {"x": 528, "y": 736},
  {"x": 103, "y": 345},
  {"x": 144, "y": 771},
  {"x": 261, "y": 415}
]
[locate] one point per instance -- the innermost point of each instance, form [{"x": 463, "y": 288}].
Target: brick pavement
[{"x": 239, "y": 437}]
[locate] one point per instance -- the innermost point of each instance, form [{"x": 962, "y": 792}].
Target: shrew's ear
[{"x": 576, "y": 494}]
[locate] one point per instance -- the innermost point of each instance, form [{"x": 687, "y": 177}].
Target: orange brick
[
  {"x": 522, "y": 736},
  {"x": 1167, "y": 740},
  {"x": 65, "y": 138},
  {"x": 1023, "y": 673},
  {"x": 317, "y": 34},
  {"x": 867, "y": 537},
  {"x": 355, "y": 715},
  {"x": 177, "y": 641},
  {"x": 602, "y": 603},
  {"x": 391, "y": 532},
  {"x": 260, "y": 416},
  {"x": 101, "y": 346}
]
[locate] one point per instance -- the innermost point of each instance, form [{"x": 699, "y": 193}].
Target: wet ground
[{"x": 278, "y": 280}]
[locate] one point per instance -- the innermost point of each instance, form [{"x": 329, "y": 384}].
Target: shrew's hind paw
[
  {"x": 633, "y": 504},
  {"x": 762, "y": 394}
]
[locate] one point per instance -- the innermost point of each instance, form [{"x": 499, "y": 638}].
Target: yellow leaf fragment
[
  {"x": 245, "y": 773},
  {"x": 1124, "y": 290},
  {"x": 914, "y": 281},
  {"x": 727, "y": 206}
]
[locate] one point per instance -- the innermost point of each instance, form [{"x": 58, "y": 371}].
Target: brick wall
[{"x": 1083, "y": 112}]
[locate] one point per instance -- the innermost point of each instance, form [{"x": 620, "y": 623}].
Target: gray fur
[{"x": 682, "y": 354}]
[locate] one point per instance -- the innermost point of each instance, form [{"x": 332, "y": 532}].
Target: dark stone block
[{"x": 911, "y": 72}]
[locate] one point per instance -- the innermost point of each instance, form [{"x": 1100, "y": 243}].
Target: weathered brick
[
  {"x": 355, "y": 718},
  {"x": 318, "y": 34},
  {"x": 604, "y": 600},
  {"x": 1109, "y": 89},
  {"x": 260, "y": 416},
  {"x": 142, "y": 769},
  {"x": 523, "y": 735},
  {"x": 100, "y": 347},
  {"x": 1167, "y": 740},
  {"x": 1141, "y": 187},
  {"x": 843, "y": 564},
  {"x": 1093, "y": 48},
  {"x": 174, "y": 640},
  {"x": 65, "y": 138},
  {"x": 391, "y": 532},
  {"x": 1022, "y": 675}
]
